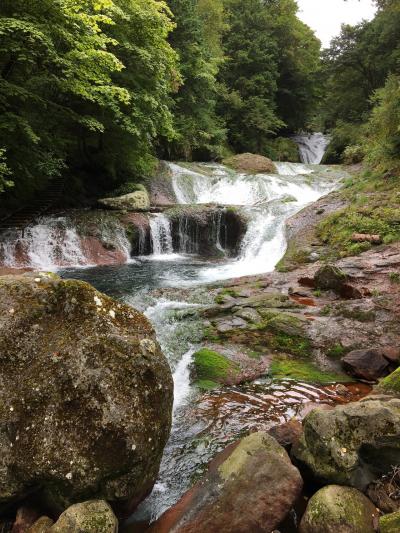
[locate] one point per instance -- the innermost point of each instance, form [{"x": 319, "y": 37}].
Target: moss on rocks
[
  {"x": 390, "y": 523},
  {"x": 212, "y": 369},
  {"x": 391, "y": 383},
  {"x": 336, "y": 509},
  {"x": 250, "y": 164},
  {"x": 283, "y": 368}
]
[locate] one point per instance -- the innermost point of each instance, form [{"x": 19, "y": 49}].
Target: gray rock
[
  {"x": 85, "y": 396},
  {"x": 134, "y": 201},
  {"x": 94, "y": 516},
  {"x": 330, "y": 277},
  {"x": 366, "y": 364},
  {"x": 352, "y": 444}
]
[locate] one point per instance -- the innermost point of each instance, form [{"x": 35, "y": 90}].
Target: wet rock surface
[
  {"x": 86, "y": 395},
  {"x": 337, "y": 509},
  {"x": 352, "y": 444},
  {"x": 256, "y": 465},
  {"x": 366, "y": 364}
]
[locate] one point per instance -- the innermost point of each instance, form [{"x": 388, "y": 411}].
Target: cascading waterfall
[
  {"x": 54, "y": 242},
  {"x": 312, "y": 147},
  {"x": 161, "y": 235}
]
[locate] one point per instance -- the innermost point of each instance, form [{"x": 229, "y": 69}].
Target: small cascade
[
  {"x": 188, "y": 238},
  {"x": 312, "y": 147},
  {"x": 219, "y": 230},
  {"x": 161, "y": 235}
]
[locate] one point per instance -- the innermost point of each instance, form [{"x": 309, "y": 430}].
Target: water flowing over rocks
[
  {"x": 336, "y": 509},
  {"x": 352, "y": 444},
  {"x": 86, "y": 395},
  {"x": 257, "y": 466}
]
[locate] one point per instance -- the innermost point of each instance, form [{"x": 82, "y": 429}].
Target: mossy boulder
[
  {"x": 251, "y": 164},
  {"x": 85, "y": 397},
  {"x": 94, "y": 516},
  {"x": 285, "y": 368},
  {"x": 337, "y": 509},
  {"x": 390, "y": 523},
  {"x": 352, "y": 444},
  {"x": 391, "y": 384},
  {"x": 134, "y": 201},
  {"x": 330, "y": 277},
  {"x": 250, "y": 486},
  {"x": 211, "y": 369}
]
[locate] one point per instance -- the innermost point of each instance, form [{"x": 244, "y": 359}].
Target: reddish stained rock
[
  {"x": 366, "y": 364},
  {"x": 256, "y": 465},
  {"x": 97, "y": 254},
  {"x": 287, "y": 434},
  {"x": 26, "y": 517},
  {"x": 391, "y": 353}
]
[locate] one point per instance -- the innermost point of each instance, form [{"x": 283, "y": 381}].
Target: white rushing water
[
  {"x": 267, "y": 199},
  {"x": 54, "y": 242},
  {"x": 161, "y": 236},
  {"x": 312, "y": 147}
]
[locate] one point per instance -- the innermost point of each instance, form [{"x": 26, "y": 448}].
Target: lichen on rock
[{"x": 85, "y": 397}]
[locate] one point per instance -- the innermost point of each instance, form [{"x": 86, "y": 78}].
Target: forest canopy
[{"x": 93, "y": 91}]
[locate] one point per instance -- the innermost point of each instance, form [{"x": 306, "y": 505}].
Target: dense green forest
[{"x": 95, "y": 90}]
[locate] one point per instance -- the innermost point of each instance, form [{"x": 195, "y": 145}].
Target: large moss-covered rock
[
  {"x": 134, "y": 201},
  {"x": 336, "y": 509},
  {"x": 251, "y": 164},
  {"x": 330, "y": 277},
  {"x": 251, "y": 486},
  {"x": 352, "y": 444},
  {"x": 390, "y": 523},
  {"x": 85, "y": 396}
]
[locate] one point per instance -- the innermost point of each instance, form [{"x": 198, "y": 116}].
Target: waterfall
[
  {"x": 54, "y": 242},
  {"x": 161, "y": 235},
  {"x": 312, "y": 147}
]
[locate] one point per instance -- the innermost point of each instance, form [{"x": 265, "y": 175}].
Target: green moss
[
  {"x": 391, "y": 383},
  {"x": 284, "y": 368},
  {"x": 206, "y": 385},
  {"x": 336, "y": 351},
  {"x": 285, "y": 333},
  {"x": 394, "y": 277},
  {"x": 390, "y": 523},
  {"x": 212, "y": 367},
  {"x": 221, "y": 296}
]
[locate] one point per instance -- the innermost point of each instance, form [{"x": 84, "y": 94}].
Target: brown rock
[
  {"x": 251, "y": 164},
  {"x": 250, "y": 487},
  {"x": 366, "y": 364},
  {"x": 391, "y": 354},
  {"x": 43, "y": 525},
  {"x": 287, "y": 434},
  {"x": 26, "y": 517}
]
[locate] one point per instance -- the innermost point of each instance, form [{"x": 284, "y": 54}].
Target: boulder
[
  {"x": 26, "y": 517},
  {"x": 251, "y": 164},
  {"x": 287, "y": 434},
  {"x": 134, "y": 201},
  {"x": 85, "y": 396},
  {"x": 366, "y": 364},
  {"x": 390, "y": 384},
  {"x": 352, "y": 444},
  {"x": 43, "y": 525},
  {"x": 330, "y": 277},
  {"x": 390, "y": 523},
  {"x": 251, "y": 486},
  {"x": 336, "y": 509},
  {"x": 94, "y": 516}
]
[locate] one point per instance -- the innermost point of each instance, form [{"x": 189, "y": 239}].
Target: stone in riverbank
[
  {"x": 134, "y": 201},
  {"x": 390, "y": 523},
  {"x": 336, "y": 509},
  {"x": 251, "y": 486},
  {"x": 351, "y": 444},
  {"x": 86, "y": 395},
  {"x": 366, "y": 364}
]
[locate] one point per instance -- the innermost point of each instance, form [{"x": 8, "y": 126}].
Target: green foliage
[
  {"x": 4, "y": 172},
  {"x": 383, "y": 137},
  {"x": 285, "y": 368}
]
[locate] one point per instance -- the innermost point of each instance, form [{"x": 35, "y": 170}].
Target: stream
[{"x": 203, "y": 424}]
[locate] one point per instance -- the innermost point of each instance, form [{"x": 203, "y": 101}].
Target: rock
[
  {"x": 94, "y": 516},
  {"x": 85, "y": 396},
  {"x": 287, "y": 434},
  {"x": 385, "y": 491},
  {"x": 134, "y": 201},
  {"x": 366, "y": 364},
  {"x": 364, "y": 237},
  {"x": 336, "y": 509},
  {"x": 43, "y": 525},
  {"x": 249, "y": 314},
  {"x": 251, "y": 164},
  {"x": 390, "y": 523},
  {"x": 26, "y": 517},
  {"x": 390, "y": 384},
  {"x": 251, "y": 486},
  {"x": 330, "y": 277},
  {"x": 392, "y": 354},
  {"x": 352, "y": 444}
]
